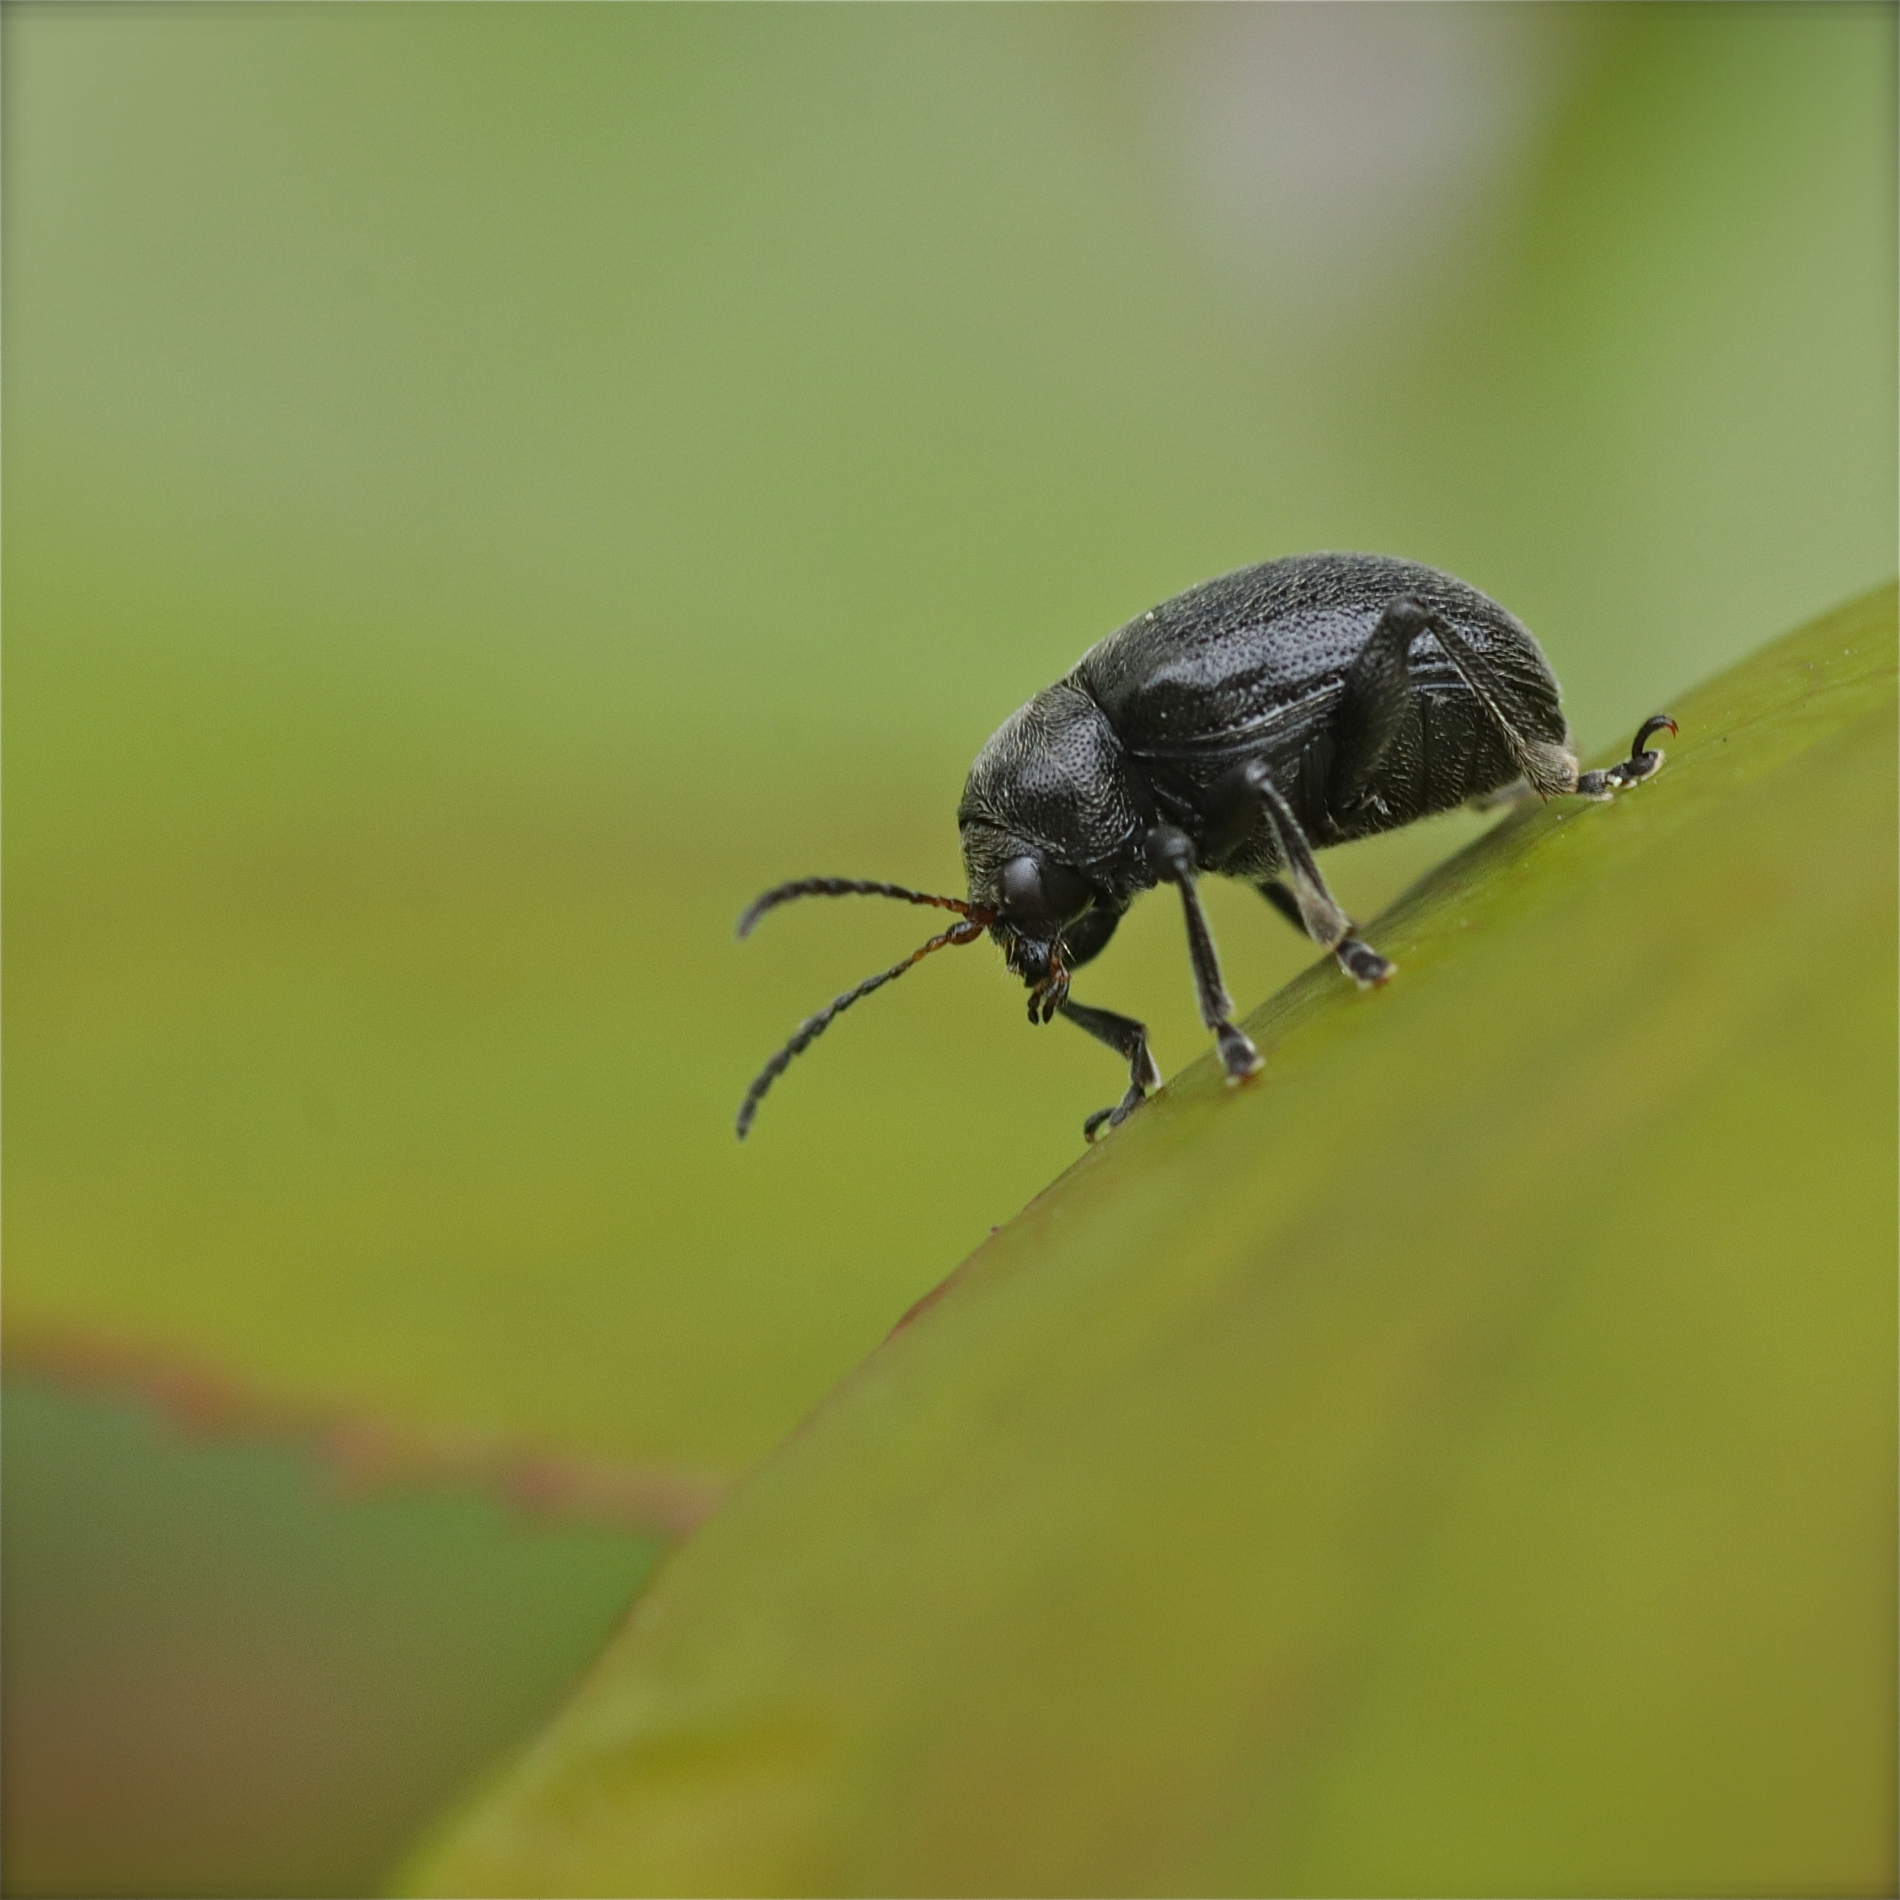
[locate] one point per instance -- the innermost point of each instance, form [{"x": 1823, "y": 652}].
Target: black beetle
[{"x": 1236, "y": 729}]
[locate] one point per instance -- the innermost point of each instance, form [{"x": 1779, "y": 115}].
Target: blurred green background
[{"x": 491, "y": 487}]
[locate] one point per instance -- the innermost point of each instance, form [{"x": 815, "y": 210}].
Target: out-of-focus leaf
[
  {"x": 1462, "y": 1462},
  {"x": 224, "y": 1678}
]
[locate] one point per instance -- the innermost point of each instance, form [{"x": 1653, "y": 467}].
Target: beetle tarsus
[
  {"x": 1364, "y": 964},
  {"x": 1642, "y": 763},
  {"x": 1357, "y": 958},
  {"x": 1129, "y": 1040},
  {"x": 1113, "y": 1117},
  {"x": 1238, "y": 1056}
]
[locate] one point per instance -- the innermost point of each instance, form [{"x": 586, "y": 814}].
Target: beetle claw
[
  {"x": 1642, "y": 763},
  {"x": 1049, "y": 993},
  {"x": 1113, "y": 1117}
]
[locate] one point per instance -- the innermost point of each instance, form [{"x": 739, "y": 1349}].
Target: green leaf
[
  {"x": 489, "y": 490},
  {"x": 1460, "y": 1462}
]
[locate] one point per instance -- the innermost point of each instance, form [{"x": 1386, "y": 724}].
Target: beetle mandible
[{"x": 1234, "y": 729}]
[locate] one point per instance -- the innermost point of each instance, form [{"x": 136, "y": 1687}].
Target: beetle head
[
  {"x": 1049, "y": 817},
  {"x": 1033, "y": 900}
]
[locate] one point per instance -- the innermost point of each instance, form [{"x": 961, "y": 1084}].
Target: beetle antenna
[
  {"x": 968, "y": 931},
  {"x": 850, "y": 887}
]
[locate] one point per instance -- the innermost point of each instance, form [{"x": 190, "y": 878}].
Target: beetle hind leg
[
  {"x": 1129, "y": 1039},
  {"x": 1377, "y": 680},
  {"x": 1378, "y": 694}
]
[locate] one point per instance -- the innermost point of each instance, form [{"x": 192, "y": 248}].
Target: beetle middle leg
[
  {"x": 1356, "y": 957},
  {"x": 1309, "y": 904},
  {"x": 1129, "y": 1040},
  {"x": 1171, "y": 853}
]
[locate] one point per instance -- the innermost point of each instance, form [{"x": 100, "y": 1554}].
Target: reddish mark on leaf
[{"x": 365, "y": 1454}]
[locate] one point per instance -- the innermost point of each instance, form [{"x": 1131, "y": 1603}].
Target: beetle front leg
[
  {"x": 1129, "y": 1040},
  {"x": 1171, "y": 853},
  {"x": 1310, "y": 904}
]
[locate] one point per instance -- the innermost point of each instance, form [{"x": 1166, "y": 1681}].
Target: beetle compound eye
[
  {"x": 1021, "y": 884},
  {"x": 1039, "y": 896}
]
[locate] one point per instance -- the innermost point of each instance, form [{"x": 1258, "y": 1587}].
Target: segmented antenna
[
  {"x": 968, "y": 931},
  {"x": 851, "y": 887}
]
